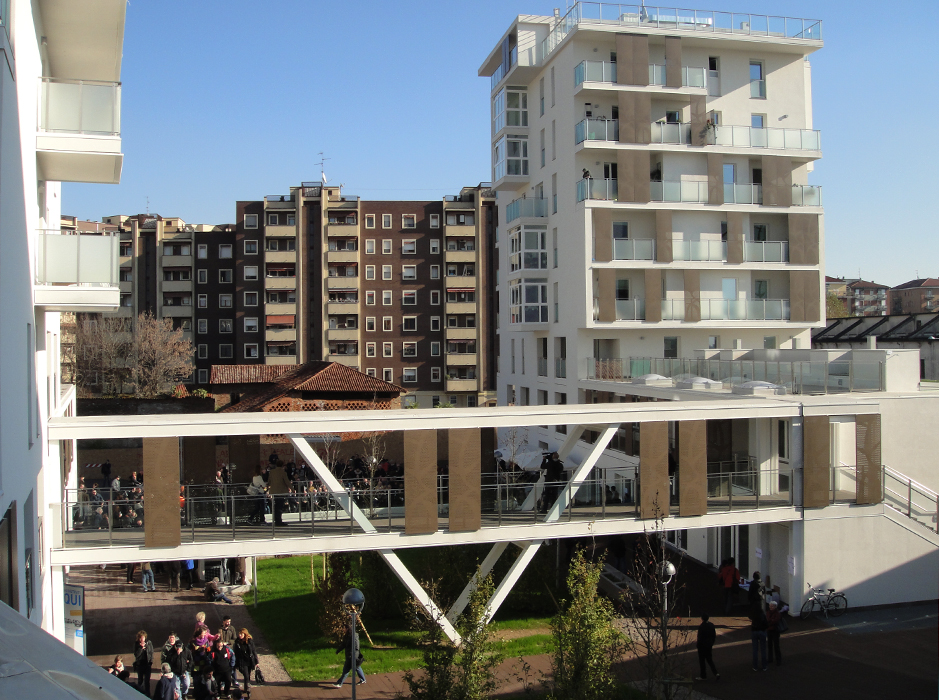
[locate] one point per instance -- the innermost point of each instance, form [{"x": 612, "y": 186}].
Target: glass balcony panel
[
  {"x": 633, "y": 249},
  {"x": 630, "y": 310},
  {"x": 81, "y": 107},
  {"x": 76, "y": 259}
]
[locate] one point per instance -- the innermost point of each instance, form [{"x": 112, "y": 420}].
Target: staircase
[{"x": 911, "y": 505}]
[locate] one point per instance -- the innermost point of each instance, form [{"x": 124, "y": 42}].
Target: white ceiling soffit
[{"x": 84, "y": 39}]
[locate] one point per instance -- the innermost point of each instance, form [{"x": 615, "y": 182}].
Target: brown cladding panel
[
  {"x": 640, "y": 62},
  {"x": 673, "y": 61},
  {"x": 699, "y": 119},
  {"x": 653, "y": 284},
  {"x": 816, "y": 462},
  {"x": 465, "y": 479},
  {"x": 607, "y": 292},
  {"x": 869, "y": 471},
  {"x": 653, "y": 470},
  {"x": 715, "y": 178},
  {"x": 770, "y": 190},
  {"x": 813, "y": 302},
  {"x": 810, "y": 242},
  {"x": 692, "y": 295},
  {"x": 734, "y": 237},
  {"x": 643, "y": 102},
  {"x": 602, "y": 234},
  {"x": 624, "y": 169},
  {"x": 199, "y": 460},
  {"x": 161, "y": 497},
  {"x": 642, "y": 189},
  {"x": 804, "y": 291},
  {"x": 796, "y": 297},
  {"x": 784, "y": 181},
  {"x": 627, "y": 116},
  {"x": 420, "y": 482},
  {"x": 624, "y": 58},
  {"x": 692, "y": 467},
  {"x": 663, "y": 235}
]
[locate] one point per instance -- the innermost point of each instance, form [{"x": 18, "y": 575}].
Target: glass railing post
[
  {"x": 603, "y": 500},
  {"x": 231, "y": 515}
]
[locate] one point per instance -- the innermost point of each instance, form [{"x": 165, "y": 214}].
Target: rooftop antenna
[
  {"x": 148, "y": 205},
  {"x": 321, "y": 162}
]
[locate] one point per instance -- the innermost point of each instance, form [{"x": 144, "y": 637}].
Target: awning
[
  {"x": 281, "y": 343},
  {"x": 281, "y": 320},
  {"x": 281, "y": 266},
  {"x": 461, "y": 289},
  {"x": 345, "y": 289}
]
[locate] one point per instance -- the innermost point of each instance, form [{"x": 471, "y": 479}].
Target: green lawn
[{"x": 287, "y": 616}]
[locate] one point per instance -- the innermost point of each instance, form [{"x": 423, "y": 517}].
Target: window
[
  {"x": 202, "y": 301},
  {"x": 528, "y": 301},
  {"x": 370, "y": 349},
  {"x": 369, "y": 272},
  {"x": 224, "y": 251},
  {"x": 769, "y": 342},
  {"x": 552, "y": 86},
  {"x": 225, "y": 277},
  {"x": 369, "y": 323},
  {"x": 386, "y": 297},
  {"x": 251, "y": 351},
  {"x": 408, "y": 221},
  {"x": 203, "y": 351},
  {"x": 757, "y": 121},
  {"x": 202, "y": 251},
  {"x": 757, "y": 80},
  {"x": 435, "y": 323},
  {"x": 510, "y": 155},
  {"x": 528, "y": 248},
  {"x": 386, "y": 272},
  {"x": 370, "y": 246},
  {"x": 202, "y": 276},
  {"x": 202, "y": 325},
  {"x": 409, "y": 349},
  {"x": 387, "y": 374},
  {"x": 410, "y": 375},
  {"x": 177, "y": 249},
  {"x": 251, "y": 298},
  {"x": 387, "y": 349},
  {"x": 251, "y": 247},
  {"x": 435, "y": 297},
  {"x": 369, "y": 221},
  {"x": 461, "y": 219},
  {"x": 225, "y": 325},
  {"x": 435, "y": 220},
  {"x": 471, "y": 400},
  {"x": 251, "y": 325},
  {"x": 435, "y": 349},
  {"x": 409, "y": 298},
  {"x": 386, "y": 323},
  {"x": 272, "y": 220},
  {"x": 282, "y": 244},
  {"x": 370, "y": 298},
  {"x": 370, "y": 371},
  {"x": 386, "y": 246},
  {"x": 554, "y": 149},
  {"x": 409, "y": 323},
  {"x": 386, "y": 220},
  {"x": 203, "y": 376},
  {"x": 434, "y": 246},
  {"x": 251, "y": 220},
  {"x": 670, "y": 347},
  {"x": 409, "y": 272},
  {"x": 435, "y": 374},
  {"x": 224, "y": 301},
  {"x": 714, "y": 342},
  {"x": 408, "y": 247},
  {"x": 760, "y": 289},
  {"x": 759, "y": 232},
  {"x": 541, "y": 146},
  {"x": 251, "y": 272},
  {"x": 435, "y": 272},
  {"x": 126, "y": 274},
  {"x": 225, "y": 352}
]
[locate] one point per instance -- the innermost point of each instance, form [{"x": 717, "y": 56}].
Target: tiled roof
[
  {"x": 323, "y": 377},
  {"x": 915, "y": 284},
  {"x": 861, "y": 284},
  {"x": 249, "y": 374}
]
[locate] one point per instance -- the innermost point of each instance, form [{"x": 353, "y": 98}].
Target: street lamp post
[
  {"x": 356, "y": 601},
  {"x": 666, "y": 573}
]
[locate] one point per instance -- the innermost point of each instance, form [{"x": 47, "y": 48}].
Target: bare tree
[
  {"x": 160, "y": 355},
  {"x": 102, "y": 353},
  {"x": 375, "y": 443}
]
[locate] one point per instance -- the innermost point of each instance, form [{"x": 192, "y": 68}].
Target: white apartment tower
[{"x": 652, "y": 168}]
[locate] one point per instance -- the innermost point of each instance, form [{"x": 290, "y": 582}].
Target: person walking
[
  {"x": 166, "y": 686},
  {"x": 346, "y": 646},
  {"x": 189, "y": 567},
  {"x": 143, "y": 661},
  {"x": 755, "y": 592},
  {"x": 707, "y": 635},
  {"x": 180, "y": 660},
  {"x": 773, "y": 623},
  {"x": 221, "y": 666},
  {"x": 146, "y": 574},
  {"x": 728, "y": 577},
  {"x": 279, "y": 485},
  {"x": 246, "y": 657},
  {"x": 175, "y": 569},
  {"x": 758, "y": 626}
]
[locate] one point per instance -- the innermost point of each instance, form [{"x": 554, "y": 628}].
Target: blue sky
[{"x": 234, "y": 100}]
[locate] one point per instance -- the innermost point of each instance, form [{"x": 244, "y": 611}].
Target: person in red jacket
[{"x": 729, "y": 577}]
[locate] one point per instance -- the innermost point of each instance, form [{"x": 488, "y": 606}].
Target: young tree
[
  {"x": 160, "y": 356},
  {"x": 434, "y": 681},
  {"x": 834, "y": 307},
  {"x": 586, "y": 641},
  {"x": 334, "y": 618},
  {"x": 375, "y": 443},
  {"x": 478, "y": 656}
]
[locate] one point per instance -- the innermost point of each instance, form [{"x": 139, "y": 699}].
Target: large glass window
[
  {"x": 510, "y": 156},
  {"x": 510, "y": 108},
  {"x": 528, "y": 248},
  {"x": 529, "y": 301}
]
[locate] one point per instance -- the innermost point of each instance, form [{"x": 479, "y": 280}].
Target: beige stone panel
[
  {"x": 770, "y": 181},
  {"x": 715, "y": 178},
  {"x": 734, "y": 237},
  {"x": 816, "y": 462},
  {"x": 161, "y": 497},
  {"x": 692, "y": 280},
  {"x": 692, "y": 468},
  {"x": 465, "y": 479},
  {"x": 607, "y": 292},
  {"x": 673, "y": 61},
  {"x": 602, "y": 234},
  {"x": 653, "y": 284},
  {"x": 663, "y": 236},
  {"x": 699, "y": 119},
  {"x": 784, "y": 181},
  {"x": 653, "y": 470},
  {"x": 420, "y": 482}
]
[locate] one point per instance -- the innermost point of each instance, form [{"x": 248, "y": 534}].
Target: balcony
[
  {"x": 633, "y": 249},
  {"x": 460, "y": 256},
  {"x": 671, "y": 132},
  {"x": 744, "y": 309},
  {"x": 679, "y": 191},
  {"x": 338, "y": 228},
  {"x": 592, "y": 129},
  {"x": 590, "y": 188},
  {"x": 344, "y": 282},
  {"x": 750, "y": 137},
  {"x": 280, "y": 309},
  {"x": 454, "y": 385},
  {"x": 342, "y": 256},
  {"x": 699, "y": 251},
  {"x": 526, "y": 208},
  {"x": 79, "y": 136},
  {"x": 342, "y": 307},
  {"x": 766, "y": 251},
  {"x": 280, "y": 231},
  {"x": 342, "y": 334},
  {"x": 673, "y": 309},
  {"x": 464, "y": 282},
  {"x": 177, "y": 286},
  {"x": 560, "y": 367},
  {"x": 280, "y": 201},
  {"x": 176, "y": 311},
  {"x": 461, "y": 334},
  {"x": 691, "y": 76},
  {"x": 176, "y": 261},
  {"x": 630, "y": 309},
  {"x": 76, "y": 272},
  {"x": 460, "y": 307},
  {"x": 280, "y": 282},
  {"x": 806, "y": 196},
  {"x": 280, "y": 334},
  {"x": 462, "y": 359},
  {"x": 280, "y": 256},
  {"x": 594, "y": 72},
  {"x": 747, "y": 193}
]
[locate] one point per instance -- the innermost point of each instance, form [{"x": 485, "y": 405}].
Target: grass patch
[{"x": 287, "y": 616}]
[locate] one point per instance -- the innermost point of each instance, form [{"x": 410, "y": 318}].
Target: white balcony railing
[
  {"x": 699, "y": 251},
  {"x": 746, "y": 193},
  {"x": 806, "y": 196},
  {"x": 80, "y": 107},
  {"x": 664, "y": 132},
  {"x": 633, "y": 249},
  {"x": 673, "y": 309},
  {"x": 683, "y": 191},
  {"x": 596, "y": 130},
  {"x": 691, "y": 76},
  {"x": 533, "y": 207},
  {"x": 69, "y": 258},
  {"x": 744, "y": 309},
  {"x": 750, "y": 137},
  {"x": 594, "y": 72},
  {"x": 591, "y": 188},
  {"x": 630, "y": 309},
  {"x": 766, "y": 251}
]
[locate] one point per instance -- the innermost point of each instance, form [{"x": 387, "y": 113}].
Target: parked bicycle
[{"x": 831, "y": 603}]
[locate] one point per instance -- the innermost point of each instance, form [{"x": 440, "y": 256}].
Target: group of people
[
  {"x": 206, "y": 666},
  {"x": 232, "y": 570},
  {"x": 765, "y": 611},
  {"x": 116, "y": 505}
]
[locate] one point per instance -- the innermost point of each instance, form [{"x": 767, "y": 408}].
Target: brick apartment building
[{"x": 915, "y": 296}]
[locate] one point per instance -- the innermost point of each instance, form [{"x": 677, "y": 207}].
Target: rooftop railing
[
  {"x": 797, "y": 377},
  {"x": 680, "y": 19},
  {"x": 80, "y": 107}
]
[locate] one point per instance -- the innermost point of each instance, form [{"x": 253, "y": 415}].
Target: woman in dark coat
[
  {"x": 143, "y": 661},
  {"x": 246, "y": 657}
]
